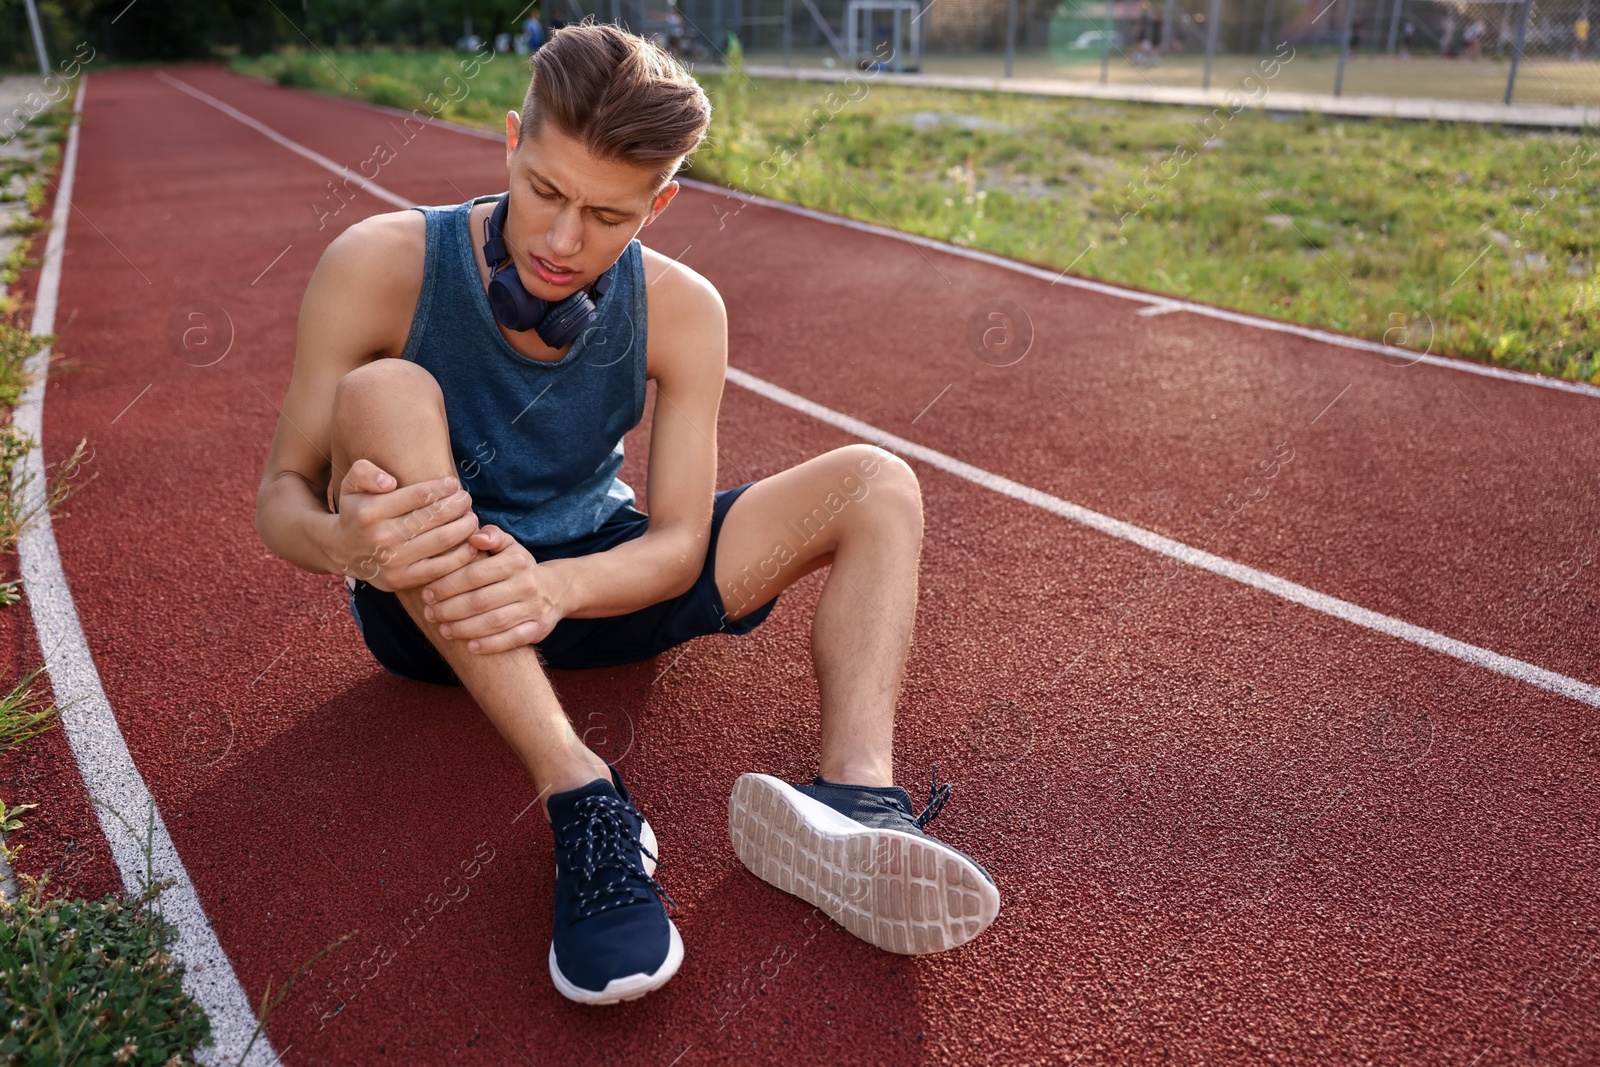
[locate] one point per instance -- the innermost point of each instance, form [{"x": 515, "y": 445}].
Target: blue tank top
[{"x": 538, "y": 445}]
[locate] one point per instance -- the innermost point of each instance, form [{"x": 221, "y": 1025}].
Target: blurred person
[{"x": 1145, "y": 53}]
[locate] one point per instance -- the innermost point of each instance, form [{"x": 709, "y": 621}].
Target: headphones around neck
[{"x": 557, "y": 323}]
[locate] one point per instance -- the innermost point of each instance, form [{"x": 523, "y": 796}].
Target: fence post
[
  {"x": 1105, "y": 52},
  {"x": 1344, "y": 46},
  {"x": 1394, "y": 24},
  {"x": 1168, "y": 16},
  {"x": 788, "y": 33},
  {"x": 1011, "y": 34},
  {"x": 1213, "y": 18},
  {"x": 38, "y": 39},
  {"x": 899, "y": 56},
  {"x": 1516, "y": 54}
]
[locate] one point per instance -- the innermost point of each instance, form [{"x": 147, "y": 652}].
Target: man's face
[{"x": 571, "y": 210}]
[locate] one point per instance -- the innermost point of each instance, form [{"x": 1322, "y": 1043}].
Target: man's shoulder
[
  {"x": 370, "y": 277},
  {"x": 687, "y": 319},
  {"x": 392, "y": 241},
  {"x": 675, "y": 286}
]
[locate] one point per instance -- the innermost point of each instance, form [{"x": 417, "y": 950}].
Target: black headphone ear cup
[
  {"x": 566, "y": 319},
  {"x": 514, "y": 306}
]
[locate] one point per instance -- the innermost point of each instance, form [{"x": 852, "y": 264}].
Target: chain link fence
[{"x": 1532, "y": 51}]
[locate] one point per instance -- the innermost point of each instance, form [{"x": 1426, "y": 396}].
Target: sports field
[{"x": 1261, "y": 655}]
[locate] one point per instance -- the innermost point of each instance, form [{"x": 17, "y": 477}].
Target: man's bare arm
[{"x": 356, "y": 308}]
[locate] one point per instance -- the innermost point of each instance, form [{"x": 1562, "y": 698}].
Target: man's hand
[
  {"x": 499, "y": 601},
  {"x": 401, "y": 538}
]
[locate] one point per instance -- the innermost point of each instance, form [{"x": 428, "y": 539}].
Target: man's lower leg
[{"x": 860, "y": 638}]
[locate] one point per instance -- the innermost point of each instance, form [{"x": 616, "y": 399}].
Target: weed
[
  {"x": 23, "y": 715},
  {"x": 93, "y": 982}
]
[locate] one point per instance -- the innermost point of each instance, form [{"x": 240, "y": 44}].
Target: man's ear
[
  {"x": 663, "y": 198},
  {"x": 513, "y": 134}
]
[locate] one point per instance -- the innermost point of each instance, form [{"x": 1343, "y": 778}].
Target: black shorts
[{"x": 400, "y": 646}]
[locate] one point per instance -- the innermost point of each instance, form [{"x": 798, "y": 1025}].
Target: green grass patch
[
  {"x": 17, "y": 346},
  {"x": 457, "y": 86},
  {"x": 23, "y": 715},
  {"x": 93, "y": 982},
  {"x": 1453, "y": 238}
]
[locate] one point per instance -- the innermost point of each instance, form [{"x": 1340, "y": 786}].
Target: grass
[
  {"x": 17, "y": 511},
  {"x": 1458, "y": 239},
  {"x": 93, "y": 982},
  {"x": 23, "y": 716}
]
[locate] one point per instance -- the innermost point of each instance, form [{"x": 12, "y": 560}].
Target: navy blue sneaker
[
  {"x": 612, "y": 939},
  {"x": 858, "y": 853}
]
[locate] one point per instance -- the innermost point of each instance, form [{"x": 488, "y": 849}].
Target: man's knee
[
  {"x": 386, "y": 387},
  {"x": 885, "y": 481}
]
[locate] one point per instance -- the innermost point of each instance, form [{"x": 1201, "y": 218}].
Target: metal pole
[
  {"x": 1516, "y": 56},
  {"x": 1212, "y": 19},
  {"x": 719, "y": 35},
  {"x": 1168, "y": 17},
  {"x": 788, "y": 33},
  {"x": 1394, "y": 25},
  {"x": 1344, "y": 46},
  {"x": 38, "y": 40},
  {"x": 1105, "y": 53},
  {"x": 899, "y": 56},
  {"x": 1266, "y": 26},
  {"x": 1011, "y": 34}
]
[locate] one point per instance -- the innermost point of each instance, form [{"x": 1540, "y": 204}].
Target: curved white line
[{"x": 127, "y": 813}]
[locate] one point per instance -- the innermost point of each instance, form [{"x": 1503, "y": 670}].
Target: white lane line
[
  {"x": 1158, "y": 303},
  {"x": 1227, "y": 568},
  {"x": 127, "y": 813},
  {"x": 298, "y": 149},
  {"x": 1164, "y": 303},
  {"x": 1280, "y": 587}
]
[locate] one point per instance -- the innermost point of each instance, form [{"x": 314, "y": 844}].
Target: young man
[{"x": 450, "y": 443}]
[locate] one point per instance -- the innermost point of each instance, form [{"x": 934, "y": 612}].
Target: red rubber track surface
[{"x": 1225, "y": 828}]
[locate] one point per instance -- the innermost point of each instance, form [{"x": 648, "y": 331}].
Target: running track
[{"x": 1226, "y": 827}]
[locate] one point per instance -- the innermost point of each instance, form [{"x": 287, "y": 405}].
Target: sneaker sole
[
  {"x": 618, "y": 990},
  {"x": 901, "y": 892}
]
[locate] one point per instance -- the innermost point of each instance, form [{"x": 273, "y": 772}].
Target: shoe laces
[
  {"x": 937, "y": 795},
  {"x": 604, "y": 838}
]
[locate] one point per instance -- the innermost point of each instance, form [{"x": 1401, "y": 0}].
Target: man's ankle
[
  {"x": 857, "y": 773},
  {"x": 574, "y": 774}
]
